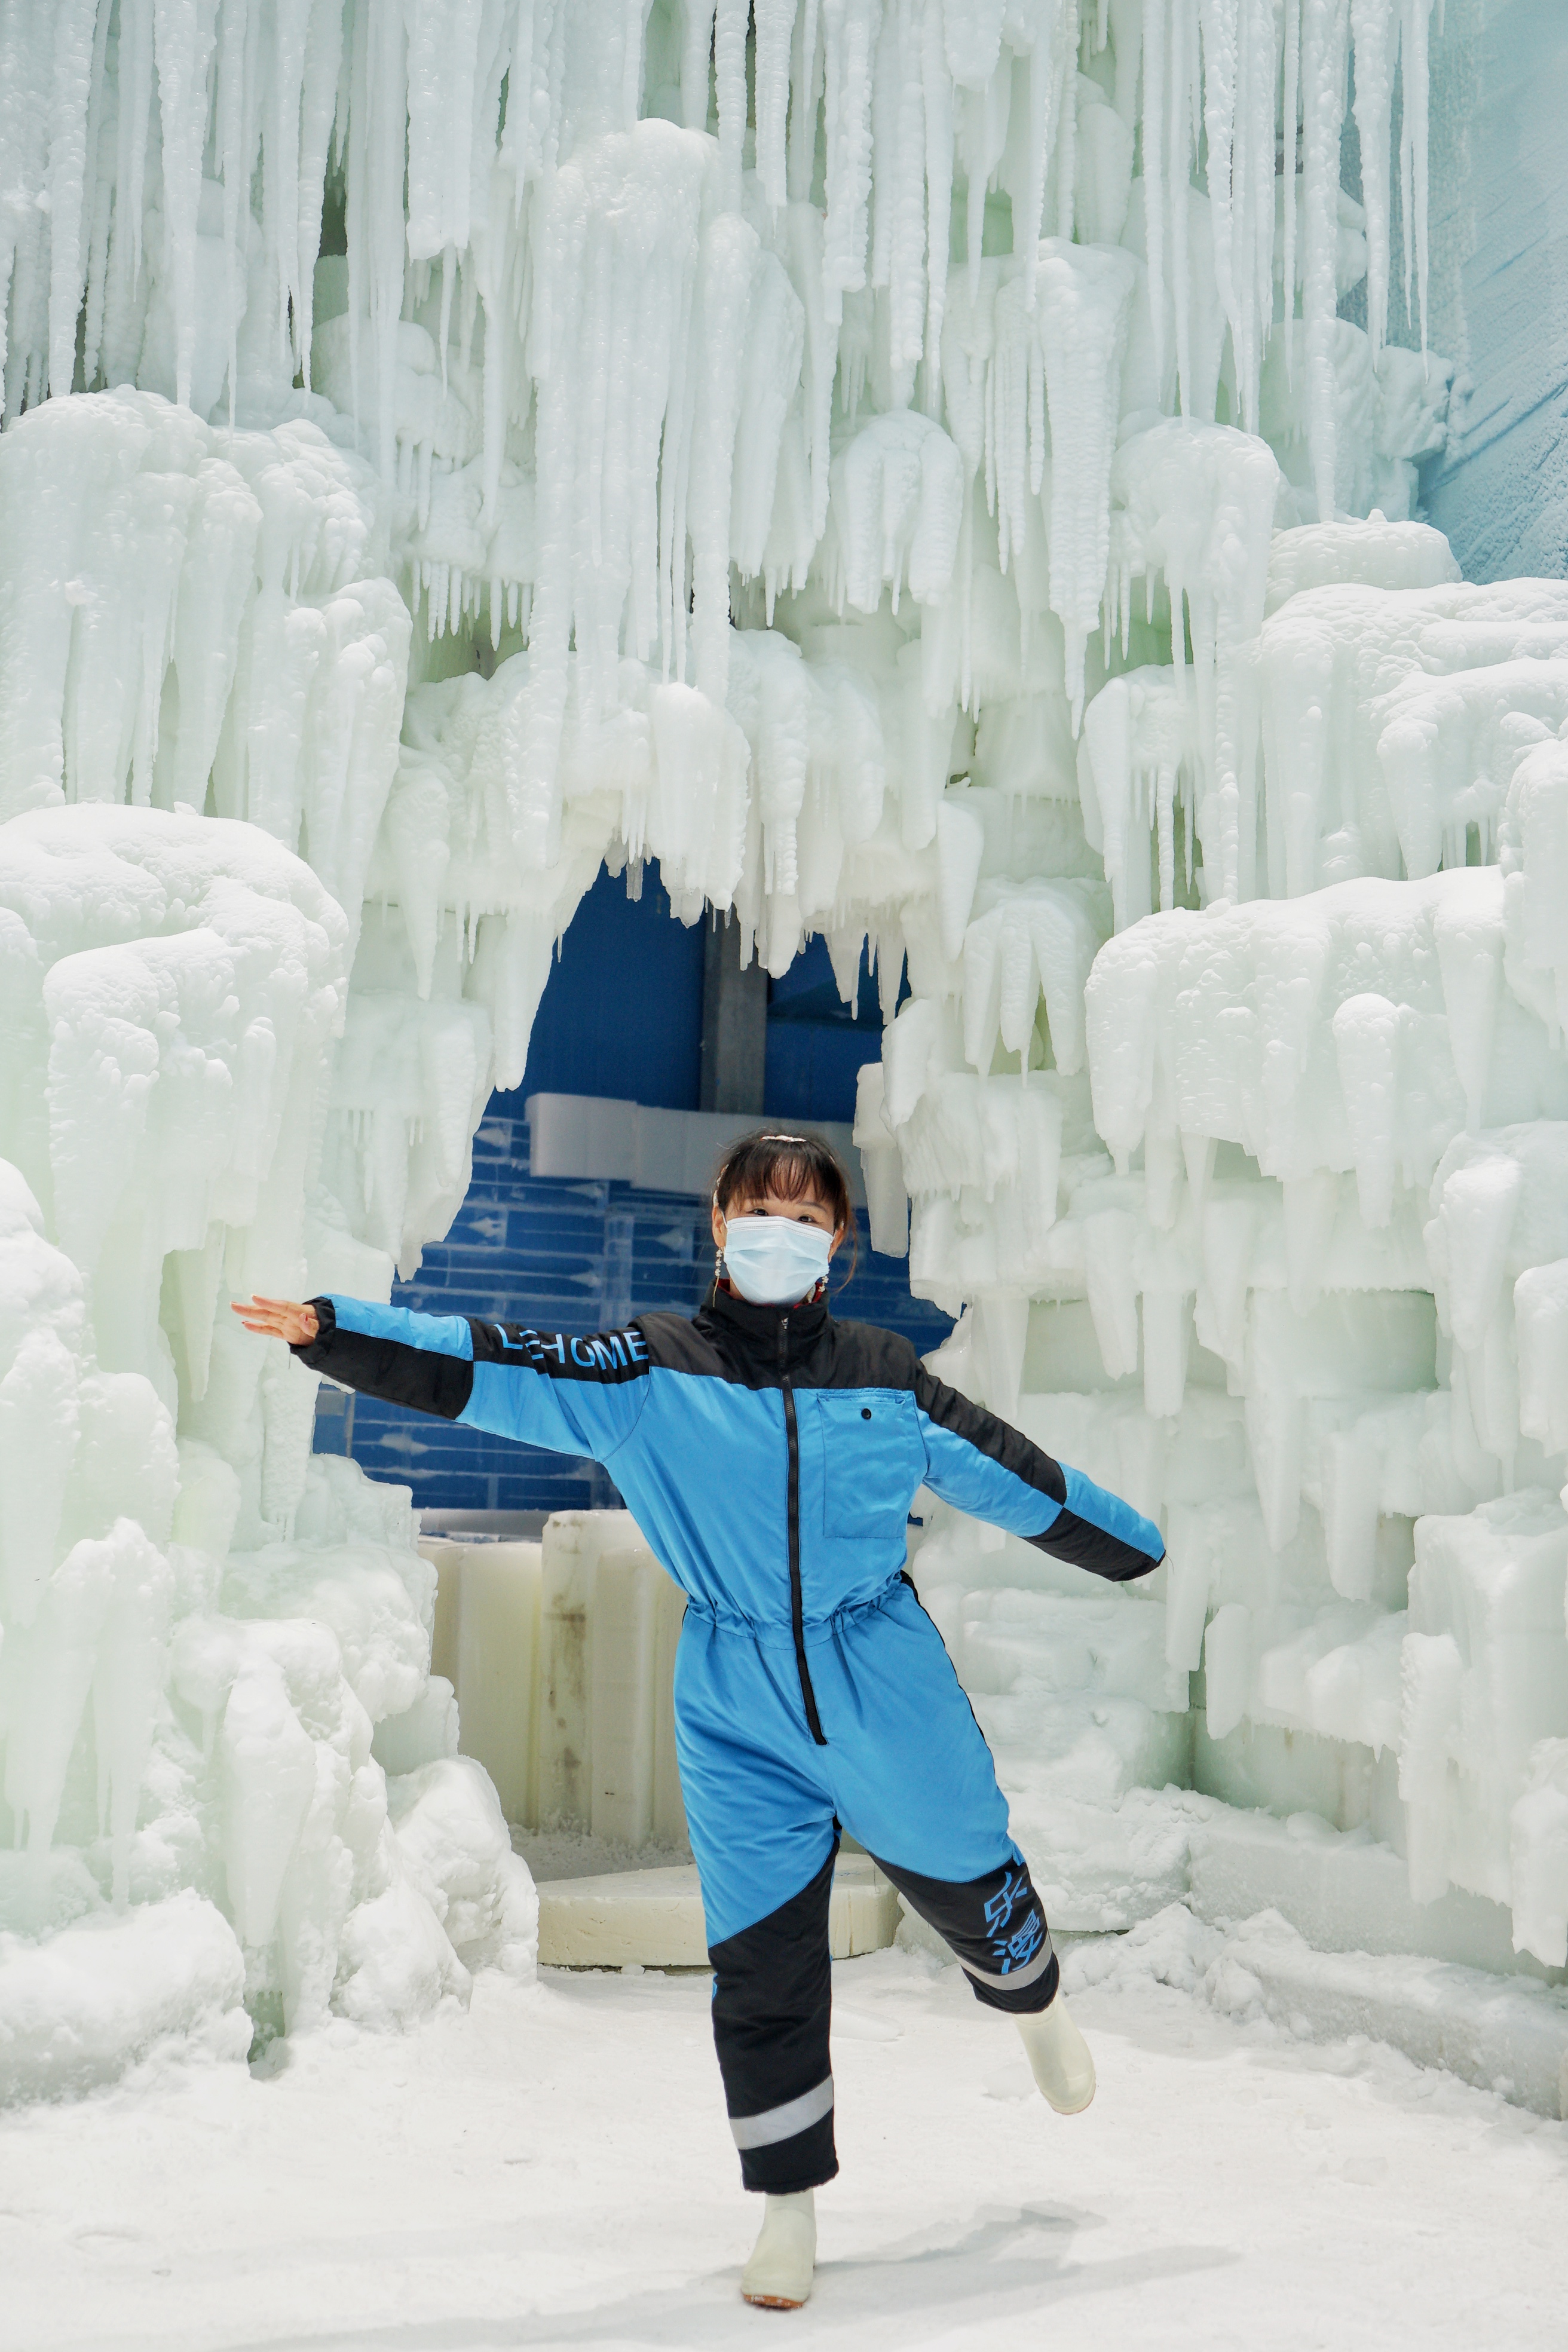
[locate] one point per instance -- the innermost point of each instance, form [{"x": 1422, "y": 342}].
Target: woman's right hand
[{"x": 279, "y": 1319}]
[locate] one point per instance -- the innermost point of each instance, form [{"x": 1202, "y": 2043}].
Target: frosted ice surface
[{"x": 821, "y": 463}]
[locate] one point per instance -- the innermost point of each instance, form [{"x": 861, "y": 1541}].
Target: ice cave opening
[{"x": 959, "y": 483}]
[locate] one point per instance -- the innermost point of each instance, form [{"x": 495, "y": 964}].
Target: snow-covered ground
[{"x": 553, "y": 2170}]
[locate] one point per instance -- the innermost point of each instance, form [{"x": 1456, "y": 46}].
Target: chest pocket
[{"x": 872, "y": 1460}]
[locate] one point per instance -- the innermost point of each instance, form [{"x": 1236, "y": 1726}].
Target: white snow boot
[
  {"x": 778, "y": 2275},
  {"x": 1059, "y": 2058}
]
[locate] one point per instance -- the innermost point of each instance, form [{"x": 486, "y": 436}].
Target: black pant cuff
[
  {"x": 791, "y": 2188},
  {"x": 804, "y": 2161}
]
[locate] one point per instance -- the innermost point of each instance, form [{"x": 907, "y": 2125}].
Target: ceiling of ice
[{"x": 778, "y": 393}]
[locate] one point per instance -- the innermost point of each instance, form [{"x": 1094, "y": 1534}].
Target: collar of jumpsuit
[{"x": 760, "y": 1328}]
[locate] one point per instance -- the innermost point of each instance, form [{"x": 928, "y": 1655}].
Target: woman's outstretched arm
[{"x": 571, "y": 1392}]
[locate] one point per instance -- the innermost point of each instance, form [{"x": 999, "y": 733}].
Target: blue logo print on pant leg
[{"x": 1017, "y": 1949}]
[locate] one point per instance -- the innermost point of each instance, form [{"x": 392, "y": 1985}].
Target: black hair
[{"x": 794, "y": 1168}]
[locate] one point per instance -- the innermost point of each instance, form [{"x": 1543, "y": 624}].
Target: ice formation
[{"x": 905, "y": 466}]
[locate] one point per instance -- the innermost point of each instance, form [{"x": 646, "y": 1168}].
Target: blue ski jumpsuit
[{"x": 770, "y": 1456}]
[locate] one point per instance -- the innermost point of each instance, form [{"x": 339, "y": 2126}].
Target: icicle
[
  {"x": 1127, "y": 39},
  {"x": 97, "y": 202},
  {"x": 1240, "y": 54},
  {"x": 730, "y": 81},
  {"x": 135, "y": 79},
  {"x": 806, "y": 95},
  {"x": 731, "y": 254},
  {"x": 936, "y": 89},
  {"x": 899, "y": 251},
  {"x": 696, "y": 55},
  {"x": 634, "y": 20},
  {"x": 75, "y": 56},
  {"x": 982, "y": 138},
  {"x": 185, "y": 32},
  {"x": 375, "y": 227},
  {"x": 1218, "y": 20},
  {"x": 455, "y": 59},
  {"x": 1291, "y": 109},
  {"x": 318, "y": 104},
  {"x": 443, "y": 334},
  {"x": 1413, "y": 146},
  {"x": 533, "y": 94},
  {"x": 232, "y": 164},
  {"x": 1325, "y": 31},
  {"x": 1178, "y": 182},
  {"x": 849, "y": 29},
  {"x": 775, "y": 27},
  {"x": 1083, "y": 330},
  {"x": 1154, "y": 205},
  {"x": 1258, "y": 77},
  {"x": 1051, "y": 69},
  {"x": 1371, "y": 29},
  {"x": 885, "y": 78}
]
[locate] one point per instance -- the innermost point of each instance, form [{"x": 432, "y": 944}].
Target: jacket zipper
[{"x": 796, "y": 1603}]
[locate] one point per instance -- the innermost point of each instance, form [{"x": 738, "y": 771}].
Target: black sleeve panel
[
  {"x": 423, "y": 1379},
  {"x": 1083, "y": 1545}
]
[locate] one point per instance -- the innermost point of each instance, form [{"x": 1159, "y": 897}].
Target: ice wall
[
  {"x": 206, "y": 659},
  {"x": 905, "y": 466},
  {"x": 203, "y": 1628}
]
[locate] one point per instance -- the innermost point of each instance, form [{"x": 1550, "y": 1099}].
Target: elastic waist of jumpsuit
[{"x": 777, "y": 1632}]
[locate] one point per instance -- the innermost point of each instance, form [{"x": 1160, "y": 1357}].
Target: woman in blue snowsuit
[{"x": 769, "y": 1453}]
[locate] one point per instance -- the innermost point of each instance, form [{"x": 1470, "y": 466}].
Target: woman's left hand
[{"x": 279, "y": 1319}]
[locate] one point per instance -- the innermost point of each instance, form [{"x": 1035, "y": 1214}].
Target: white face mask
[{"x": 772, "y": 1261}]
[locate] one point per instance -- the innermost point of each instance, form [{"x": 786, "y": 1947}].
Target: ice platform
[{"x": 653, "y": 1918}]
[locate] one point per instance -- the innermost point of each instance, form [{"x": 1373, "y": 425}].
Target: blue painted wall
[
  {"x": 816, "y": 1042},
  {"x": 622, "y": 1015},
  {"x": 622, "y": 1010}
]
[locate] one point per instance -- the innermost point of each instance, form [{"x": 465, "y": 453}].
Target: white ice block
[
  {"x": 625, "y": 1599},
  {"x": 662, "y": 1150},
  {"x": 562, "y": 1726},
  {"x": 581, "y": 1135},
  {"x": 497, "y": 1654},
  {"x": 486, "y": 1643},
  {"x": 668, "y": 1805},
  {"x": 445, "y": 1558},
  {"x": 653, "y": 1918},
  {"x": 563, "y": 1657},
  {"x": 1344, "y": 1891}
]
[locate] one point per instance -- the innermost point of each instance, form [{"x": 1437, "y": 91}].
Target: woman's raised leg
[{"x": 917, "y": 1785}]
